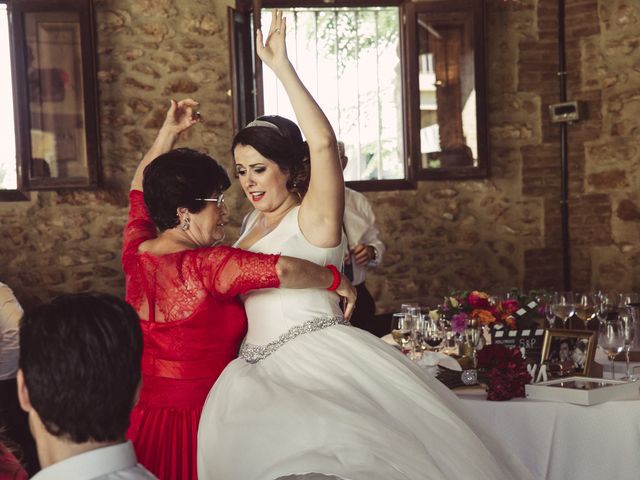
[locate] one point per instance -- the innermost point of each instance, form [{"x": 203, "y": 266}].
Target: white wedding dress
[{"x": 312, "y": 394}]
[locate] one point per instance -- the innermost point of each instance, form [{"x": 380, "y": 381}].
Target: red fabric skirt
[{"x": 164, "y": 426}]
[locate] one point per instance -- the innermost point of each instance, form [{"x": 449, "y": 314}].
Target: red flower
[
  {"x": 509, "y": 306},
  {"x": 479, "y": 300},
  {"x": 506, "y": 371}
]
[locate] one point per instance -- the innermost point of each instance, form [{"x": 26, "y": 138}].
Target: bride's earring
[{"x": 185, "y": 224}]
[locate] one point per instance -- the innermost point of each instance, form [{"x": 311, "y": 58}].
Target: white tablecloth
[{"x": 561, "y": 441}]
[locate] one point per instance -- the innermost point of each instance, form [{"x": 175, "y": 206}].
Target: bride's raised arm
[{"x": 322, "y": 208}]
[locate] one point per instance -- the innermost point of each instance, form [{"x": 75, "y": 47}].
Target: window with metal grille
[
  {"x": 402, "y": 82},
  {"x": 349, "y": 59}
]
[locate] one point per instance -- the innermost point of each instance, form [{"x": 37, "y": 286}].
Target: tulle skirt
[{"x": 341, "y": 402}]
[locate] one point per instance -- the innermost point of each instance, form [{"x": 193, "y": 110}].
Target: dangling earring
[{"x": 185, "y": 225}]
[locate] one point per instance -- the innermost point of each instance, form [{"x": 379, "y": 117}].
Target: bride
[{"x": 309, "y": 393}]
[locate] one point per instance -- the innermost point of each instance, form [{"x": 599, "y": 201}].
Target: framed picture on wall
[{"x": 58, "y": 120}]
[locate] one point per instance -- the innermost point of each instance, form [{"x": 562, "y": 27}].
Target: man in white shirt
[
  {"x": 365, "y": 250},
  {"x": 12, "y": 419},
  {"x": 79, "y": 376},
  {"x": 10, "y": 314}
]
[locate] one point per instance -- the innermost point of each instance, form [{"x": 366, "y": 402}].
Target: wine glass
[
  {"x": 627, "y": 306},
  {"x": 418, "y": 334},
  {"x": 416, "y": 323},
  {"x": 629, "y": 327},
  {"x": 406, "y": 307},
  {"x": 585, "y": 307},
  {"x": 433, "y": 334},
  {"x": 629, "y": 301},
  {"x": 607, "y": 305},
  {"x": 546, "y": 300},
  {"x": 563, "y": 305},
  {"x": 611, "y": 340},
  {"x": 401, "y": 327},
  {"x": 634, "y": 311}
]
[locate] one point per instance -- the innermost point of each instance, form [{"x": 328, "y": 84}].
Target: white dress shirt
[
  {"x": 116, "y": 462},
  {"x": 10, "y": 314},
  {"x": 360, "y": 227}
]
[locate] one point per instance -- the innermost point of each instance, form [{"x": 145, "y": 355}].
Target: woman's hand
[
  {"x": 348, "y": 292},
  {"x": 273, "y": 51},
  {"x": 181, "y": 116}
]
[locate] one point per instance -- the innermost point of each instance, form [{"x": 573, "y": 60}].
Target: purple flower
[{"x": 459, "y": 322}]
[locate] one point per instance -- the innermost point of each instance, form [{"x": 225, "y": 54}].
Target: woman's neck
[
  {"x": 270, "y": 219},
  {"x": 169, "y": 241}
]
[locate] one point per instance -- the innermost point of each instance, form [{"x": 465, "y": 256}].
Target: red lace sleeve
[
  {"x": 139, "y": 227},
  {"x": 230, "y": 271}
]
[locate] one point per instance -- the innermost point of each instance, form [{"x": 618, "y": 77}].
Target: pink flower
[{"x": 458, "y": 322}]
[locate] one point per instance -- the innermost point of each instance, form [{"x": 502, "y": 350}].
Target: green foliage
[{"x": 345, "y": 32}]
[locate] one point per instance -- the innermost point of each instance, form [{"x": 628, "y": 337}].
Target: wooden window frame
[{"x": 410, "y": 91}]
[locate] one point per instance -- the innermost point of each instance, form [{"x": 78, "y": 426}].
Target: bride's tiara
[{"x": 263, "y": 123}]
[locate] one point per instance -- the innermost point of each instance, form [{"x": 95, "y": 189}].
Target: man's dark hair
[
  {"x": 81, "y": 358},
  {"x": 175, "y": 179},
  {"x": 283, "y": 145}
]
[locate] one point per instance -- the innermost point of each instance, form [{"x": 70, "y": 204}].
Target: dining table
[
  {"x": 560, "y": 440},
  {"x": 565, "y": 441}
]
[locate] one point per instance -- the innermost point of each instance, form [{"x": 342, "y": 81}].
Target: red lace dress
[
  {"x": 192, "y": 325},
  {"x": 10, "y": 468}
]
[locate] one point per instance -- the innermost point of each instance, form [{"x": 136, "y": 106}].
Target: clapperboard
[
  {"x": 525, "y": 315},
  {"x": 531, "y": 339}
]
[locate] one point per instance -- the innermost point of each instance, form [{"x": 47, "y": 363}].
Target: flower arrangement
[
  {"x": 461, "y": 308},
  {"x": 504, "y": 371}
]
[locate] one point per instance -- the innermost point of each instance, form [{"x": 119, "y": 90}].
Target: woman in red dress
[
  {"x": 185, "y": 292},
  {"x": 10, "y": 468}
]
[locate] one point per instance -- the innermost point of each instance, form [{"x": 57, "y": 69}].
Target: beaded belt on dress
[{"x": 255, "y": 353}]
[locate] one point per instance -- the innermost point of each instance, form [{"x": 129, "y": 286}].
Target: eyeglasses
[{"x": 219, "y": 200}]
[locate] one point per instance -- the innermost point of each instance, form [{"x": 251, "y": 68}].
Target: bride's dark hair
[{"x": 279, "y": 139}]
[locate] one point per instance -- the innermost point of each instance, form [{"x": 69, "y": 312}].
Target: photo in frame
[
  {"x": 55, "y": 94},
  {"x": 569, "y": 352}
]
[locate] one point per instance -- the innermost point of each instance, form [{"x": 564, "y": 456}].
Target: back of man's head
[{"x": 80, "y": 356}]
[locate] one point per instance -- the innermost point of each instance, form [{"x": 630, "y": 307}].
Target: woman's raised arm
[
  {"x": 180, "y": 116},
  {"x": 322, "y": 209}
]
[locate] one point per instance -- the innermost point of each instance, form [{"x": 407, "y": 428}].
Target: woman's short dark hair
[
  {"x": 81, "y": 359},
  {"x": 283, "y": 145},
  {"x": 175, "y": 179}
]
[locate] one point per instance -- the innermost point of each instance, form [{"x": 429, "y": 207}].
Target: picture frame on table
[{"x": 569, "y": 352}]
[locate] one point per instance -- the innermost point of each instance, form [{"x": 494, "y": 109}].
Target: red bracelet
[{"x": 336, "y": 278}]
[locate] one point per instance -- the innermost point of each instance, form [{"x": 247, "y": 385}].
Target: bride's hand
[
  {"x": 181, "y": 116},
  {"x": 273, "y": 51},
  {"x": 348, "y": 292}
]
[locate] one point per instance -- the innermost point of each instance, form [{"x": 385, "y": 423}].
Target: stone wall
[
  {"x": 492, "y": 234},
  {"x": 506, "y": 231}
]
